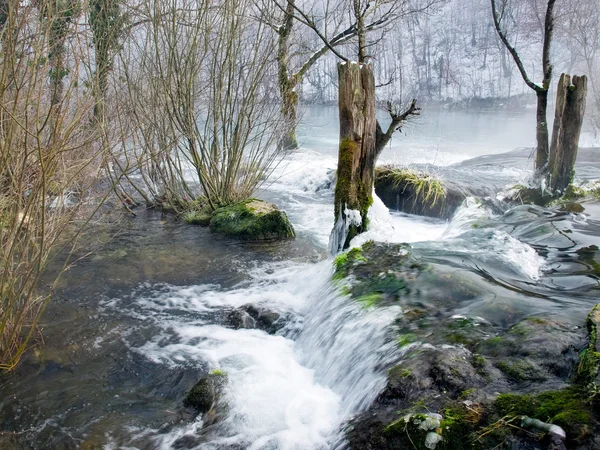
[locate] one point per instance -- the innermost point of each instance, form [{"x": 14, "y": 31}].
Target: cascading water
[
  {"x": 290, "y": 391},
  {"x": 131, "y": 355}
]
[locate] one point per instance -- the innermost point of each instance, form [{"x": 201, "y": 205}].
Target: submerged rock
[
  {"x": 256, "y": 317},
  {"x": 205, "y": 394},
  {"x": 506, "y": 387},
  {"x": 252, "y": 220}
]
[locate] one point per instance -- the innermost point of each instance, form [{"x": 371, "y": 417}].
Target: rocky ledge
[{"x": 461, "y": 382}]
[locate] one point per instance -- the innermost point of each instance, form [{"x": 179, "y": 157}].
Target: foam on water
[
  {"x": 417, "y": 154},
  {"x": 469, "y": 211},
  {"x": 295, "y": 390},
  {"x": 398, "y": 227},
  {"x": 281, "y": 393},
  {"x": 306, "y": 171},
  {"x": 488, "y": 244}
]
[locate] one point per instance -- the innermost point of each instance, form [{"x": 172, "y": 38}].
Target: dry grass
[{"x": 427, "y": 189}]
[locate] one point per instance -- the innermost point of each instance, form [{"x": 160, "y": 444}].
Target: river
[{"x": 135, "y": 324}]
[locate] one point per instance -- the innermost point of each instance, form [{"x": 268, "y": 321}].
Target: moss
[
  {"x": 405, "y": 339},
  {"x": 197, "y": 217},
  {"x": 466, "y": 394},
  {"x": 340, "y": 262},
  {"x": 479, "y": 363},
  {"x": 589, "y": 359},
  {"x": 573, "y": 193},
  {"x": 589, "y": 362},
  {"x": 462, "y": 322},
  {"x": 388, "y": 284},
  {"x": 458, "y": 338},
  {"x": 428, "y": 190},
  {"x": 566, "y": 408},
  {"x": 203, "y": 396},
  {"x": 533, "y": 196},
  {"x": 456, "y": 429},
  {"x": 520, "y": 329},
  {"x": 369, "y": 300},
  {"x": 344, "y": 261},
  {"x": 495, "y": 346},
  {"x": 520, "y": 371},
  {"x": 252, "y": 220},
  {"x": 350, "y": 191}
]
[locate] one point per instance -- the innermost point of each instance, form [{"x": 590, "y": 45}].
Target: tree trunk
[
  {"x": 561, "y": 97},
  {"x": 541, "y": 156},
  {"x": 289, "y": 108},
  {"x": 357, "y": 153},
  {"x": 567, "y": 142},
  {"x": 287, "y": 83}
]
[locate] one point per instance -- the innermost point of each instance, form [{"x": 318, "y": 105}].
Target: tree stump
[
  {"x": 570, "y": 109},
  {"x": 357, "y": 153}
]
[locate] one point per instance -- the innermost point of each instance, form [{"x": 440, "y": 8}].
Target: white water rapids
[{"x": 295, "y": 390}]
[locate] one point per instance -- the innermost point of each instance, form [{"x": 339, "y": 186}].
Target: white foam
[
  {"x": 465, "y": 215},
  {"x": 397, "y": 228},
  {"x": 305, "y": 171},
  {"x": 281, "y": 394},
  {"x": 518, "y": 254}
]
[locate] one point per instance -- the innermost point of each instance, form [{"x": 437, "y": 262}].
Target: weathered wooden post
[
  {"x": 570, "y": 109},
  {"x": 357, "y": 152},
  {"x": 561, "y": 97}
]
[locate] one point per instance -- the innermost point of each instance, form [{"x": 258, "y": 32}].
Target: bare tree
[
  {"x": 49, "y": 160},
  {"x": 107, "y": 21},
  {"x": 198, "y": 93},
  {"x": 290, "y": 79},
  {"x": 541, "y": 90},
  {"x": 580, "y": 30}
]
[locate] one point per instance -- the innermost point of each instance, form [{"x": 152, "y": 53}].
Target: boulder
[
  {"x": 418, "y": 193},
  {"x": 256, "y": 317},
  {"x": 252, "y": 220},
  {"x": 206, "y": 393},
  {"x": 469, "y": 382}
]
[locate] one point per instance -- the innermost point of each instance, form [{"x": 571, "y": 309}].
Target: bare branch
[
  {"x": 398, "y": 119},
  {"x": 497, "y": 25}
]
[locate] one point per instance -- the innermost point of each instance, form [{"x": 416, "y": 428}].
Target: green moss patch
[
  {"x": 568, "y": 408},
  {"x": 197, "y": 217},
  {"x": 425, "y": 188},
  {"x": 252, "y": 220},
  {"x": 589, "y": 359},
  {"x": 206, "y": 393}
]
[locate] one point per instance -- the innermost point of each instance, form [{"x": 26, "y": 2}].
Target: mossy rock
[
  {"x": 568, "y": 408},
  {"x": 570, "y": 200},
  {"x": 427, "y": 431},
  {"x": 252, "y": 220},
  {"x": 206, "y": 393},
  {"x": 462, "y": 424},
  {"x": 454, "y": 427},
  {"x": 377, "y": 273},
  {"x": 589, "y": 363},
  {"x": 533, "y": 365},
  {"x": 415, "y": 192},
  {"x": 380, "y": 274},
  {"x": 197, "y": 217},
  {"x": 533, "y": 196}
]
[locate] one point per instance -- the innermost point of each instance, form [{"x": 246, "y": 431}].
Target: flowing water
[{"x": 135, "y": 324}]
